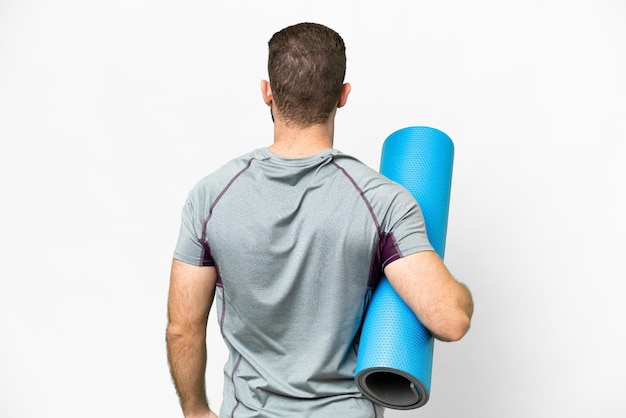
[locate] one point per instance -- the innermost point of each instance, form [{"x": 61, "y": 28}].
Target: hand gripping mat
[{"x": 394, "y": 362}]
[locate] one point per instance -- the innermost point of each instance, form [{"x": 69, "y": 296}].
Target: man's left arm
[{"x": 191, "y": 293}]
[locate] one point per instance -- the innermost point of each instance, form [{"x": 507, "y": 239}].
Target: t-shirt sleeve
[
  {"x": 405, "y": 229},
  {"x": 189, "y": 247}
]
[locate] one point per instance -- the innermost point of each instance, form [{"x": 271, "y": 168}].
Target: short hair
[{"x": 306, "y": 66}]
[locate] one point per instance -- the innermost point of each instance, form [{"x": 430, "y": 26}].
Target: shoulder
[
  {"x": 388, "y": 199},
  {"x": 364, "y": 176},
  {"x": 220, "y": 177},
  {"x": 210, "y": 186},
  {"x": 355, "y": 168}
]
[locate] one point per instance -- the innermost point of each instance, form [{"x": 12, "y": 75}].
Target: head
[{"x": 306, "y": 66}]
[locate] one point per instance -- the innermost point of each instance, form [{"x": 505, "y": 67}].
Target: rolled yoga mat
[{"x": 394, "y": 361}]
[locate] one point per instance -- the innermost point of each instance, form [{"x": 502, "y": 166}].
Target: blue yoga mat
[{"x": 394, "y": 362}]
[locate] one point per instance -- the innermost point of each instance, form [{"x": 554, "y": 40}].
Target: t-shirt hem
[
  {"x": 406, "y": 252},
  {"x": 186, "y": 259}
]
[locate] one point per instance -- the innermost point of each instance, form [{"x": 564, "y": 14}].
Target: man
[{"x": 291, "y": 240}]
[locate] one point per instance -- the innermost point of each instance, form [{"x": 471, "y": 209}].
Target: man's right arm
[{"x": 442, "y": 304}]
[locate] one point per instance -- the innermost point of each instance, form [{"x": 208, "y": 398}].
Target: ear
[
  {"x": 266, "y": 91},
  {"x": 343, "y": 95}
]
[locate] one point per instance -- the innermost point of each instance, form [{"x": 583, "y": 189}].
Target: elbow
[
  {"x": 461, "y": 327},
  {"x": 185, "y": 331},
  {"x": 459, "y": 321},
  {"x": 454, "y": 329},
  {"x": 175, "y": 332}
]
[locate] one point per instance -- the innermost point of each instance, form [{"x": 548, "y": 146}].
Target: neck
[{"x": 292, "y": 141}]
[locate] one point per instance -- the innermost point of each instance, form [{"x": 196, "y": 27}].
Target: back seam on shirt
[{"x": 360, "y": 191}]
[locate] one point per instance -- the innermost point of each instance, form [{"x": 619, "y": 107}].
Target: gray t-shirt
[{"x": 299, "y": 245}]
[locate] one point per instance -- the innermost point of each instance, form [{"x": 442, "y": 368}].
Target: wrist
[{"x": 201, "y": 413}]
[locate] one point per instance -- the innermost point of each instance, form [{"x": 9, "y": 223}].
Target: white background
[{"x": 111, "y": 110}]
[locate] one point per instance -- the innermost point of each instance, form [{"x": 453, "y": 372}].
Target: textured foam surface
[
  {"x": 420, "y": 159},
  {"x": 394, "y": 363}
]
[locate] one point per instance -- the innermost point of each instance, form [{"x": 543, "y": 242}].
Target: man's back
[{"x": 299, "y": 245}]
